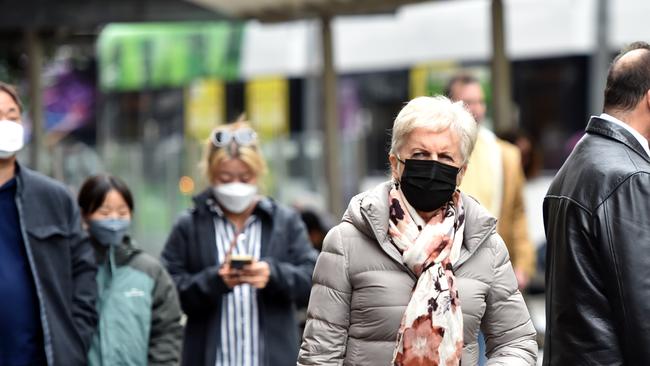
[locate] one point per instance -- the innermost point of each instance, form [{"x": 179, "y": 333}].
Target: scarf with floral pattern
[{"x": 431, "y": 331}]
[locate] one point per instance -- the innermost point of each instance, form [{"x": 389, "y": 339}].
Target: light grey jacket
[{"x": 361, "y": 289}]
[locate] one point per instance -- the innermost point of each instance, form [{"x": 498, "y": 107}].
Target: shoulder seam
[
  {"x": 572, "y": 200},
  {"x": 619, "y": 184}
]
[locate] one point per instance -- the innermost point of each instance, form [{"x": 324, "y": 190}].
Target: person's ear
[
  {"x": 394, "y": 166},
  {"x": 461, "y": 174}
]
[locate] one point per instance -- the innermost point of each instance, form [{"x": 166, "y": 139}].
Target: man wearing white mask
[
  {"x": 241, "y": 262},
  {"x": 47, "y": 268}
]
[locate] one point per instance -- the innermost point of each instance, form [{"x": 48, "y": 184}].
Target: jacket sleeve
[
  {"x": 523, "y": 247},
  {"x": 624, "y": 227},
  {"x": 509, "y": 333},
  {"x": 84, "y": 271},
  {"x": 328, "y": 315},
  {"x": 523, "y": 250},
  {"x": 166, "y": 334},
  {"x": 199, "y": 291},
  {"x": 291, "y": 276}
]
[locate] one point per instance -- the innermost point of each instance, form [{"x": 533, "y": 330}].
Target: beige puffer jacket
[{"x": 361, "y": 289}]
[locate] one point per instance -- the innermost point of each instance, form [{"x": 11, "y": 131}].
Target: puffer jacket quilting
[{"x": 361, "y": 289}]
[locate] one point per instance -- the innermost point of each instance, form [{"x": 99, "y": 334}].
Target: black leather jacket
[{"x": 597, "y": 219}]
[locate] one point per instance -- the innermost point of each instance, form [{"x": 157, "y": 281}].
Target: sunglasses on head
[{"x": 241, "y": 136}]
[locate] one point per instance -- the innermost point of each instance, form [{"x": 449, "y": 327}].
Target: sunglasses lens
[
  {"x": 245, "y": 136},
  {"x": 222, "y": 138}
]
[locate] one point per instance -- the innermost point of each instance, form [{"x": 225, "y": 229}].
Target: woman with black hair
[{"x": 139, "y": 312}]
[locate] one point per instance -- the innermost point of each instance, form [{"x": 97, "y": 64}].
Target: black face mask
[{"x": 428, "y": 184}]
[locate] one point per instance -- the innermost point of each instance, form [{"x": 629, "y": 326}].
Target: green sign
[{"x": 147, "y": 56}]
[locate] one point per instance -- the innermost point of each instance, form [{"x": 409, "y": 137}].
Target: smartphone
[{"x": 238, "y": 261}]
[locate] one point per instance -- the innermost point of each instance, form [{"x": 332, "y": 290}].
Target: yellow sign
[
  {"x": 204, "y": 107},
  {"x": 430, "y": 78},
  {"x": 267, "y": 104}
]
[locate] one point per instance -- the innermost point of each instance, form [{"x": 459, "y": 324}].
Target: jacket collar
[
  {"x": 20, "y": 175},
  {"x": 123, "y": 252},
  {"x": 26, "y": 187},
  {"x": 369, "y": 211},
  {"x": 615, "y": 132}
]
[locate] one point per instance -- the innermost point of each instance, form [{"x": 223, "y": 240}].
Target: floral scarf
[{"x": 431, "y": 332}]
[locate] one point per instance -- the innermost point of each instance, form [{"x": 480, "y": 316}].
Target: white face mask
[
  {"x": 235, "y": 197},
  {"x": 12, "y": 138}
]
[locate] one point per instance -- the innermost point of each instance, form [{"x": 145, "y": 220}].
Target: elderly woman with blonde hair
[
  {"x": 416, "y": 268},
  {"x": 241, "y": 261}
]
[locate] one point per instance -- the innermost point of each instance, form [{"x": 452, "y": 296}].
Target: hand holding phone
[
  {"x": 238, "y": 261},
  {"x": 256, "y": 274}
]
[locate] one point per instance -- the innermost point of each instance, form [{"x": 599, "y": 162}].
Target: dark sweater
[{"x": 21, "y": 340}]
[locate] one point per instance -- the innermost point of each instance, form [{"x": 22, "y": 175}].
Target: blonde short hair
[
  {"x": 437, "y": 113},
  {"x": 250, "y": 154}
]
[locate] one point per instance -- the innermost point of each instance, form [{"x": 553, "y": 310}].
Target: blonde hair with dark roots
[{"x": 250, "y": 154}]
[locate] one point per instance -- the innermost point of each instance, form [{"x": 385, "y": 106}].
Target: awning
[{"x": 283, "y": 10}]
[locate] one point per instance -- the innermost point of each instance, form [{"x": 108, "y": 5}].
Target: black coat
[
  {"x": 62, "y": 264},
  {"x": 190, "y": 256},
  {"x": 597, "y": 219}
]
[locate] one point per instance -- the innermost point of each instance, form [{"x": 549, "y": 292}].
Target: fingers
[
  {"x": 258, "y": 282},
  {"x": 256, "y": 274},
  {"x": 260, "y": 268},
  {"x": 230, "y": 277}
]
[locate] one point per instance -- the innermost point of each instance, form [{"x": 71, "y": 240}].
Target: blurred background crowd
[{"x": 134, "y": 88}]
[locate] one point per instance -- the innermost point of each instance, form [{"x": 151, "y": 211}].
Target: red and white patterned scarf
[{"x": 431, "y": 332}]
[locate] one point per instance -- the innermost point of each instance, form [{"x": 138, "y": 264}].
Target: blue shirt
[{"x": 21, "y": 340}]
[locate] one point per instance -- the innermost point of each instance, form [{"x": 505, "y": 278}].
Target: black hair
[
  {"x": 11, "y": 91},
  {"x": 462, "y": 79},
  {"x": 94, "y": 189},
  {"x": 628, "y": 82},
  {"x": 312, "y": 221}
]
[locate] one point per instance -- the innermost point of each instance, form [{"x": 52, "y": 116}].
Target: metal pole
[
  {"x": 599, "y": 62},
  {"x": 34, "y": 70},
  {"x": 501, "y": 82},
  {"x": 331, "y": 120}
]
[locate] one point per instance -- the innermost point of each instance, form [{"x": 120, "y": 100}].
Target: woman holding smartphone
[{"x": 240, "y": 261}]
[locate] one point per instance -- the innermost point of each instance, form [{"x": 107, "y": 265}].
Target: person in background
[
  {"x": 531, "y": 157},
  {"x": 240, "y": 260},
  {"x": 597, "y": 220},
  {"x": 139, "y": 311},
  {"x": 416, "y": 268},
  {"x": 47, "y": 268},
  {"x": 495, "y": 177},
  {"x": 316, "y": 227}
]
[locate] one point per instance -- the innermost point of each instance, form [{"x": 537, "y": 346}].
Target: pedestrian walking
[
  {"x": 597, "y": 221},
  {"x": 240, "y": 260},
  {"x": 416, "y": 267},
  {"x": 495, "y": 177},
  {"x": 47, "y": 268},
  {"x": 139, "y": 311}
]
